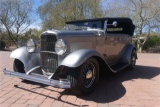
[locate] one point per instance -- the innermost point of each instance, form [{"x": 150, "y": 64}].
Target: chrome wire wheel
[
  {"x": 84, "y": 78},
  {"x": 133, "y": 60},
  {"x": 88, "y": 75}
]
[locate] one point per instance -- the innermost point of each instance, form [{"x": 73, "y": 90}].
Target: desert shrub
[{"x": 151, "y": 42}]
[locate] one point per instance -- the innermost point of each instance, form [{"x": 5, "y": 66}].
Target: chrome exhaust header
[{"x": 56, "y": 83}]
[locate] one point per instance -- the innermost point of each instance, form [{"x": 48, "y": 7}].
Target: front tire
[
  {"x": 18, "y": 66},
  {"x": 84, "y": 78}
]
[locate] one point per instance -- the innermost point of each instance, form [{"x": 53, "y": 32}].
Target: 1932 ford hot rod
[{"x": 73, "y": 58}]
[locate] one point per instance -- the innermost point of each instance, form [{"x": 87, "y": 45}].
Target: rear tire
[
  {"x": 133, "y": 60},
  {"x": 84, "y": 78}
]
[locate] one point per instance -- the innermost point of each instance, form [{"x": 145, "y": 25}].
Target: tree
[
  {"x": 144, "y": 13},
  {"x": 15, "y": 16},
  {"x": 54, "y": 13}
]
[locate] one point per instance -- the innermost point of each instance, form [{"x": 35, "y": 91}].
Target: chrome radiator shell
[{"x": 49, "y": 59}]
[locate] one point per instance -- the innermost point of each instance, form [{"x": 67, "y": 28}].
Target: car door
[{"x": 111, "y": 48}]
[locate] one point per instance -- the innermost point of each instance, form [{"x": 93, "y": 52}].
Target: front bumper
[{"x": 40, "y": 79}]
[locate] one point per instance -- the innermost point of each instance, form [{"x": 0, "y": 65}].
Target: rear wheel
[
  {"x": 84, "y": 78},
  {"x": 133, "y": 59}
]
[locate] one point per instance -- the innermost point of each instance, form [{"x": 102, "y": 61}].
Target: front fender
[
  {"x": 29, "y": 60},
  {"x": 77, "y": 58}
]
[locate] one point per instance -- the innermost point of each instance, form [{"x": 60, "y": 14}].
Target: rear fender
[
  {"x": 30, "y": 60},
  {"x": 126, "y": 55}
]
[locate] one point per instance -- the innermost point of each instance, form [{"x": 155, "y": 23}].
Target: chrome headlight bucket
[
  {"x": 60, "y": 47},
  {"x": 31, "y": 45}
]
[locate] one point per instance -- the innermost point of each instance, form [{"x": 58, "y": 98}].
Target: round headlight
[
  {"x": 31, "y": 45},
  {"x": 60, "y": 47}
]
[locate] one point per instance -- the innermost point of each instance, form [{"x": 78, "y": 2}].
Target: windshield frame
[{"x": 85, "y": 25}]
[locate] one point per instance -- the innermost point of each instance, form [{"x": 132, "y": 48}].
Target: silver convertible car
[{"x": 75, "y": 57}]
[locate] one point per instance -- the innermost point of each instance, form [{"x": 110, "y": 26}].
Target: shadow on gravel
[{"x": 110, "y": 86}]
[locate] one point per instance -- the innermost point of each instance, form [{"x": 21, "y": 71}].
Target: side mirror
[{"x": 114, "y": 23}]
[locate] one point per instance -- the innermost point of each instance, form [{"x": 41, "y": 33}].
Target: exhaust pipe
[{"x": 56, "y": 83}]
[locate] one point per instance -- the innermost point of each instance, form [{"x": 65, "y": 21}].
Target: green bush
[
  {"x": 2, "y": 45},
  {"x": 151, "y": 42}
]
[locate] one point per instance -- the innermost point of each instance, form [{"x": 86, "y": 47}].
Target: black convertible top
[
  {"x": 123, "y": 22},
  {"x": 101, "y": 19}
]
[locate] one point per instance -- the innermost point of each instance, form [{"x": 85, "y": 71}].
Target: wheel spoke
[{"x": 88, "y": 74}]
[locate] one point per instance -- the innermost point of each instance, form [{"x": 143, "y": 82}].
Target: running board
[
  {"x": 119, "y": 66},
  {"x": 56, "y": 83}
]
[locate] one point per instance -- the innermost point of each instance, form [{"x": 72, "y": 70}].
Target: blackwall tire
[
  {"x": 84, "y": 78},
  {"x": 18, "y": 66},
  {"x": 133, "y": 60}
]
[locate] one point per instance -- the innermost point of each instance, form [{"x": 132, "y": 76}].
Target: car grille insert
[
  {"x": 49, "y": 58},
  {"x": 48, "y": 43}
]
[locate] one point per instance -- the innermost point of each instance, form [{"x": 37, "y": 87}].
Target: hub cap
[
  {"x": 133, "y": 59},
  {"x": 88, "y": 74}
]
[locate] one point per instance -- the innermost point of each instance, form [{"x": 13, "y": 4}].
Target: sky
[{"x": 37, "y": 23}]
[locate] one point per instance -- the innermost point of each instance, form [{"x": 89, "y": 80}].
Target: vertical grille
[
  {"x": 49, "y": 60},
  {"x": 48, "y": 42}
]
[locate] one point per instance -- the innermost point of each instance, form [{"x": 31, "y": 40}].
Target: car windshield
[{"x": 84, "y": 25}]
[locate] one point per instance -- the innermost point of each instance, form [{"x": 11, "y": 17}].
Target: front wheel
[
  {"x": 84, "y": 78},
  {"x": 18, "y": 66}
]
